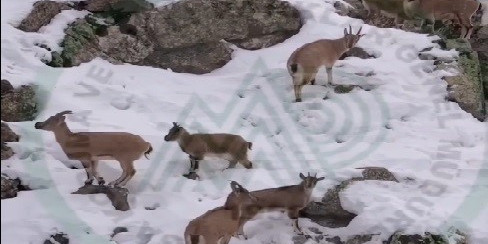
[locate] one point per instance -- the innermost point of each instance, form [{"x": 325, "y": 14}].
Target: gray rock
[
  {"x": 41, "y": 15},
  {"x": 125, "y": 6},
  {"x": 6, "y": 87},
  {"x": 7, "y": 134},
  {"x": 329, "y": 212},
  {"x": 466, "y": 88},
  {"x": 197, "y": 59},
  {"x": 58, "y": 238},
  {"x": 356, "y": 52},
  {"x": 124, "y": 48},
  {"x": 10, "y": 187},
  {"x": 118, "y": 230},
  {"x": 428, "y": 238},
  {"x": 185, "y": 36},
  {"x": 19, "y": 105},
  {"x": 6, "y": 151},
  {"x": 117, "y": 195}
]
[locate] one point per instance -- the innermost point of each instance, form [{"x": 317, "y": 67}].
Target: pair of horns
[
  {"x": 308, "y": 174},
  {"x": 176, "y": 124},
  {"x": 350, "y": 31},
  {"x": 63, "y": 113},
  {"x": 237, "y": 187}
]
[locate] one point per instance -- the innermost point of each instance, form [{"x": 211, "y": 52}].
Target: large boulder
[
  {"x": 41, "y": 15},
  {"x": 187, "y": 36},
  {"x": 19, "y": 105},
  {"x": 329, "y": 212}
]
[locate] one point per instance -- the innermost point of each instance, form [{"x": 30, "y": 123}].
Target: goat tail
[
  {"x": 149, "y": 150},
  {"x": 249, "y": 145}
]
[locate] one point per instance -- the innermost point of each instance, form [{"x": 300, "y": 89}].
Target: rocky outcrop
[
  {"x": 479, "y": 43},
  {"x": 19, "y": 104},
  {"x": 466, "y": 88},
  {"x": 41, "y": 15},
  {"x": 6, "y": 87},
  {"x": 7, "y": 136},
  {"x": 186, "y": 36},
  {"x": 58, "y": 238},
  {"x": 117, "y": 195},
  {"x": 10, "y": 187},
  {"x": 329, "y": 211},
  {"x": 121, "y": 6}
]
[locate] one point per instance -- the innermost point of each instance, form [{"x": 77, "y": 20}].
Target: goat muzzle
[{"x": 38, "y": 125}]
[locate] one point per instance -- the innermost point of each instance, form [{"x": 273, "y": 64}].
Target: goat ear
[
  {"x": 235, "y": 186},
  {"x": 321, "y": 178},
  {"x": 302, "y": 176}
]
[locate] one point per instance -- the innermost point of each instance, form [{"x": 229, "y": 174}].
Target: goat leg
[
  {"x": 329, "y": 76},
  {"x": 130, "y": 173},
  {"x": 89, "y": 173},
  {"x": 94, "y": 170},
  {"x": 121, "y": 177}
]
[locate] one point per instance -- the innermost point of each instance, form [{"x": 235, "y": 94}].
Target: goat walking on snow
[
  {"x": 90, "y": 147},
  {"x": 232, "y": 148},
  {"x": 304, "y": 62}
]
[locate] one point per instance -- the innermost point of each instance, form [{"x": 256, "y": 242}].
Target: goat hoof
[
  {"x": 101, "y": 182},
  {"x": 298, "y": 100},
  {"x": 191, "y": 176},
  {"x": 88, "y": 182}
]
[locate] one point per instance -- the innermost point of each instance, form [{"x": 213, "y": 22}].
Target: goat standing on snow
[
  {"x": 304, "y": 62},
  {"x": 220, "y": 224},
  {"x": 226, "y": 146},
  {"x": 89, "y": 147},
  {"x": 292, "y": 199},
  {"x": 461, "y": 11}
]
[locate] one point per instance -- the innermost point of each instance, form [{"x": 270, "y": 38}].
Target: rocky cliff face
[{"x": 193, "y": 36}]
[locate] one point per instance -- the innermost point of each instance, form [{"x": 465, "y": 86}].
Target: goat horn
[
  {"x": 63, "y": 113},
  {"x": 350, "y": 29},
  {"x": 359, "y": 31}
]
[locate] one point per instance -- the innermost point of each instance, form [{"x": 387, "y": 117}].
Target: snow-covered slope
[{"x": 399, "y": 120}]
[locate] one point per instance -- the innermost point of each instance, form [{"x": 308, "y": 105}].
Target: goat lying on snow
[
  {"x": 304, "y": 62},
  {"x": 220, "y": 224},
  {"x": 292, "y": 199},
  {"x": 89, "y": 147},
  {"x": 226, "y": 146}
]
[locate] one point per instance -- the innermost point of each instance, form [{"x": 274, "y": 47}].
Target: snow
[{"x": 402, "y": 123}]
